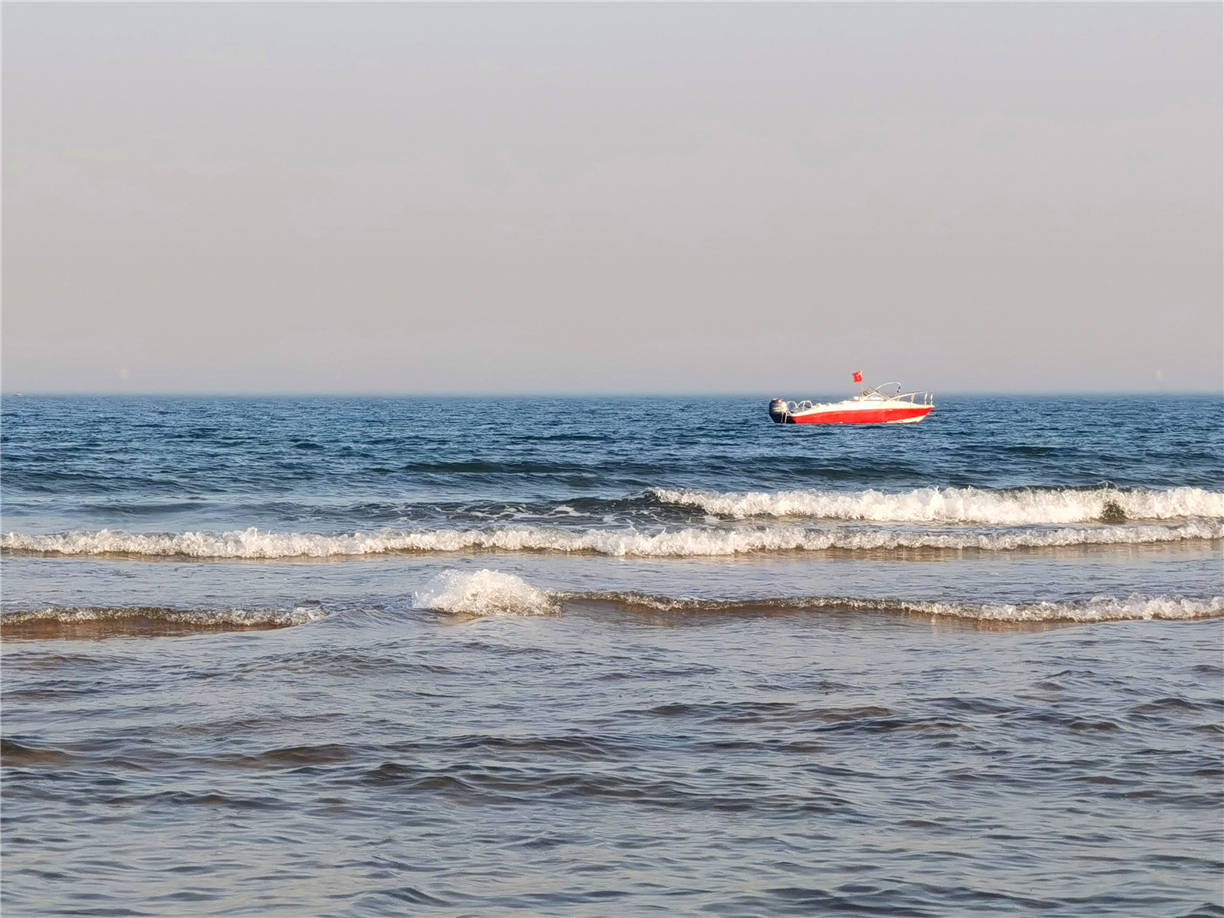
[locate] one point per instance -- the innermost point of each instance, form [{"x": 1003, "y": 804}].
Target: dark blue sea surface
[{"x": 587, "y": 656}]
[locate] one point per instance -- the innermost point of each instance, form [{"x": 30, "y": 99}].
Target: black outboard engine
[{"x": 779, "y": 412}]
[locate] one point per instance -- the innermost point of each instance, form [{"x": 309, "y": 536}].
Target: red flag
[{"x": 858, "y": 375}]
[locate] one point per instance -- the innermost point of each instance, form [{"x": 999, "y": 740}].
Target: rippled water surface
[{"x": 565, "y": 656}]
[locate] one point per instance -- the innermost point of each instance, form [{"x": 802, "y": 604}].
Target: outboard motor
[{"x": 779, "y": 412}]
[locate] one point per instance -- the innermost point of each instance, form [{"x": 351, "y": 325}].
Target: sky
[{"x": 612, "y": 198}]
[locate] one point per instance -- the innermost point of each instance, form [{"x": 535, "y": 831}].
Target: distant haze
[{"x": 612, "y": 198}]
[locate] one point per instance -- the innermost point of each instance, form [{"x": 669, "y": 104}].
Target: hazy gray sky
[{"x": 577, "y": 198}]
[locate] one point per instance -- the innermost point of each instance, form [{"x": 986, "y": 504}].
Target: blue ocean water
[{"x": 591, "y": 656}]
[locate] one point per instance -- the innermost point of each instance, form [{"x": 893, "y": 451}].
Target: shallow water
[{"x": 352, "y": 657}]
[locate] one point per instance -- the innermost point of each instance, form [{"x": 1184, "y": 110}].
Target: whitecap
[
  {"x": 692, "y": 542},
  {"x": 485, "y": 593},
  {"x": 1025, "y": 506}
]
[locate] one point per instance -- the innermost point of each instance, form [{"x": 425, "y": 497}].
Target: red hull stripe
[{"x": 867, "y": 416}]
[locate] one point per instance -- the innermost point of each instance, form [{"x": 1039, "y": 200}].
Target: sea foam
[
  {"x": 1026, "y": 506},
  {"x": 200, "y": 618},
  {"x": 1096, "y": 609},
  {"x": 484, "y": 593},
  {"x": 253, "y": 544}
]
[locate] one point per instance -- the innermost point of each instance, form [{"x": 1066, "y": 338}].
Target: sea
[{"x": 593, "y": 656}]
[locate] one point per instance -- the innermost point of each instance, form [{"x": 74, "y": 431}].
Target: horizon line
[{"x": 484, "y": 393}]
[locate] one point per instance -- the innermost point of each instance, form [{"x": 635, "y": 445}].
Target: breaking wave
[
  {"x": 254, "y": 544},
  {"x": 101, "y": 622},
  {"x": 1028, "y": 506},
  {"x": 489, "y": 593},
  {"x": 485, "y": 593},
  {"x": 1097, "y": 609}
]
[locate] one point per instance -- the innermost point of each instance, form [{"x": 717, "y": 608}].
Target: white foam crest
[
  {"x": 236, "y": 618},
  {"x": 245, "y": 544},
  {"x": 1030, "y": 506},
  {"x": 1097, "y": 609},
  {"x": 679, "y": 543},
  {"x": 485, "y": 593}
]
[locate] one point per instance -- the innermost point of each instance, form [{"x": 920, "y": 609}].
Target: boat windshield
[{"x": 883, "y": 391}]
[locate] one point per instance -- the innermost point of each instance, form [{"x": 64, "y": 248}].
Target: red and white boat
[{"x": 883, "y": 404}]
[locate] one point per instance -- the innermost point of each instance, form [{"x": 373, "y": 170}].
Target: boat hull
[{"x": 910, "y": 414}]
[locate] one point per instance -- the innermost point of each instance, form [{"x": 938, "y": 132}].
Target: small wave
[
  {"x": 1029, "y": 506},
  {"x": 485, "y": 593},
  {"x": 15, "y": 754},
  {"x": 105, "y": 622},
  {"x": 253, "y": 544},
  {"x": 488, "y": 592},
  {"x": 1097, "y": 609}
]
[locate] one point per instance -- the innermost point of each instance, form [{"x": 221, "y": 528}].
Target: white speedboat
[{"x": 883, "y": 404}]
